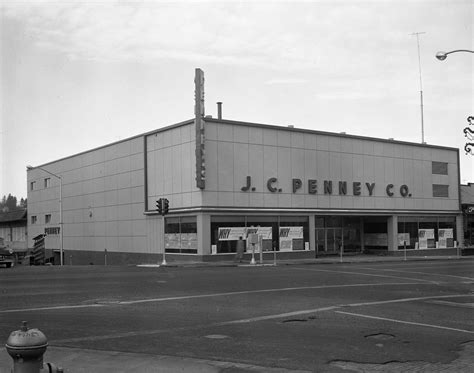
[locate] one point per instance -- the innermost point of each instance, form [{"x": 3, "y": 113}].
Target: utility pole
[{"x": 417, "y": 34}]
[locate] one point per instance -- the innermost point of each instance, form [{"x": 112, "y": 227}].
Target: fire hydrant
[{"x": 27, "y": 347}]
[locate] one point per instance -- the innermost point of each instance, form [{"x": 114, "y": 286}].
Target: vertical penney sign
[{"x": 199, "y": 124}]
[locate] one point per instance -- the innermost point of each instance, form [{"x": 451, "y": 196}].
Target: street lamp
[
  {"x": 443, "y": 55},
  {"x": 60, "y": 209}
]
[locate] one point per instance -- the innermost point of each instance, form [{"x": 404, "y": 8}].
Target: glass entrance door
[
  {"x": 333, "y": 233},
  {"x": 328, "y": 240}
]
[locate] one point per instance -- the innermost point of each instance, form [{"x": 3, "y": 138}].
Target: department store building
[{"x": 304, "y": 193}]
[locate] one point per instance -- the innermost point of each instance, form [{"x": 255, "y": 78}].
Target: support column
[
  {"x": 392, "y": 230},
  {"x": 312, "y": 235},
  {"x": 460, "y": 230},
  {"x": 203, "y": 222}
]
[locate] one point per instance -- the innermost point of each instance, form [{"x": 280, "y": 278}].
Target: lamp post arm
[{"x": 460, "y": 50}]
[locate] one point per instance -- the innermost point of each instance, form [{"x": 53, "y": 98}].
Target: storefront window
[
  {"x": 284, "y": 233},
  {"x": 294, "y": 233},
  {"x": 428, "y": 232},
  {"x": 226, "y": 242},
  {"x": 181, "y": 235}
]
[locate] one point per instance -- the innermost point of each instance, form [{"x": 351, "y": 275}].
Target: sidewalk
[
  {"x": 348, "y": 259},
  {"x": 75, "y": 360}
]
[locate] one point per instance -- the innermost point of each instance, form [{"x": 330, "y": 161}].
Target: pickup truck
[{"x": 6, "y": 258}]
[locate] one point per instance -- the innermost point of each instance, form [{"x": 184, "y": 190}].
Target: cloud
[
  {"x": 274, "y": 35},
  {"x": 334, "y": 36},
  {"x": 284, "y": 81}
]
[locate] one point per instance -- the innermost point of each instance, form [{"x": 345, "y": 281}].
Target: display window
[
  {"x": 181, "y": 235},
  {"x": 275, "y": 233},
  {"x": 427, "y": 232}
]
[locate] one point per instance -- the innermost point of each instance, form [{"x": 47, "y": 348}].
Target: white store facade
[{"x": 305, "y": 193}]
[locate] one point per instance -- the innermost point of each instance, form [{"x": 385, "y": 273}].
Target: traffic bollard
[{"x": 27, "y": 347}]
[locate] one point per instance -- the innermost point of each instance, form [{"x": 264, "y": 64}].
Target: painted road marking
[
  {"x": 366, "y": 274},
  {"x": 260, "y": 291},
  {"x": 261, "y": 318},
  {"x": 416, "y": 272},
  {"x": 402, "y": 300},
  {"x": 54, "y": 308},
  {"x": 454, "y": 304},
  {"x": 406, "y": 322},
  {"x": 301, "y": 312},
  {"x": 212, "y": 295}
]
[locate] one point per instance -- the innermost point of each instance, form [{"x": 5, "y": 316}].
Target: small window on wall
[
  {"x": 440, "y": 190},
  {"x": 47, "y": 219},
  {"x": 32, "y": 185},
  {"x": 439, "y": 168},
  {"x": 47, "y": 182},
  {"x": 33, "y": 219}
]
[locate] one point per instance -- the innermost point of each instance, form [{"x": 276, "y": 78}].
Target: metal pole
[
  {"x": 253, "y": 254},
  {"x": 163, "y": 241},
  {"x": 417, "y": 34},
  {"x": 405, "y": 248},
  {"x": 61, "y": 220}
]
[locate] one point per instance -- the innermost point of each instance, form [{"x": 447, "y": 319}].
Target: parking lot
[{"x": 381, "y": 316}]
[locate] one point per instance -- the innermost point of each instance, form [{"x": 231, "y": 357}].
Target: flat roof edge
[
  {"x": 335, "y": 134},
  {"x": 183, "y": 123}
]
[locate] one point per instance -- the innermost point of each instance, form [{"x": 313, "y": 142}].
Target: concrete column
[
  {"x": 203, "y": 222},
  {"x": 362, "y": 238},
  {"x": 392, "y": 230},
  {"x": 460, "y": 230},
  {"x": 312, "y": 235}
]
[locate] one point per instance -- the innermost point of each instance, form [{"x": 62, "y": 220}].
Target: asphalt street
[{"x": 368, "y": 317}]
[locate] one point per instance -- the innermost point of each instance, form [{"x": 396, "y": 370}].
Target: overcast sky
[{"x": 76, "y": 75}]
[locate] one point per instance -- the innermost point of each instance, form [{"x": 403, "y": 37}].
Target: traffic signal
[
  {"x": 166, "y": 206},
  {"x": 159, "y": 206}
]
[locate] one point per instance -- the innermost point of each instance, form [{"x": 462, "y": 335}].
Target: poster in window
[
  {"x": 426, "y": 239},
  {"x": 403, "y": 238},
  {"x": 189, "y": 241},
  {"x": 231, "y": 233},
  {"x": 445, "y": 238},
  {"x": 172, "y": 241},
  {"x": 291, "y": 238}
]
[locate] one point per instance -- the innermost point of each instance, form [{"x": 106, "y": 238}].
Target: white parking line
[
  {"x": 302, "y": 312},
  {"x": 54, "y": 308},
  {"x": 416, "y": 272},
  {"x": 272, "y": 317},
  {"x": 365, "y": 274},
  {"x": 406, "y": 322},
  {"x": 260, "y": 291},
  {"x": 186, "y": 297}
]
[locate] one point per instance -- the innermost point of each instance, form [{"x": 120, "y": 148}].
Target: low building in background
[
  {"x": 13, "y": 232},
  {"x": 467, "y": 202}
]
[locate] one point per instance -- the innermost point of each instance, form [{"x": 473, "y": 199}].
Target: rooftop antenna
[{"x": 417, "y": 34}]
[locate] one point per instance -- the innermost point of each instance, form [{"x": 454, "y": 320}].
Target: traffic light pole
[
  {"x": 162, "y": 206},
  {"x": 163, "y": 263}
]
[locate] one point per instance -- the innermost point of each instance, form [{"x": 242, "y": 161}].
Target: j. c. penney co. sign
[{"x": 328, "y": 187}]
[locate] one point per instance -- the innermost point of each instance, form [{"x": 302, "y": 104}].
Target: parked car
[{"x": 7, "y": 258}]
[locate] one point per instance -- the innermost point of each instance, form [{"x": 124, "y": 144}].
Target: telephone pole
[{"x": 417, "y": 34}]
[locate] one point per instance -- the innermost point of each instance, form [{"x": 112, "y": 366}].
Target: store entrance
[{"x": 336, "y": 233}]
